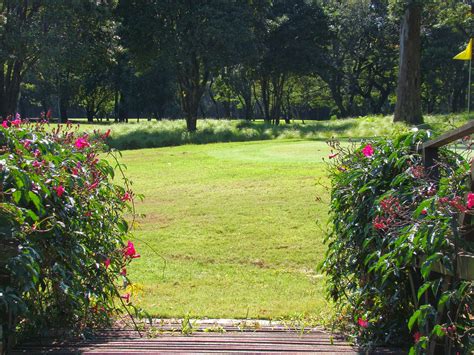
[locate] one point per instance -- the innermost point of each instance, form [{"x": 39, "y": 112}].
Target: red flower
[
  {"x": 36, "y": 164},
  {"x": 16, "y": 122},
  {"x": 416, "y": 337},
  {"x": 59, "y": 190},
  {"x": 368, "y": 151},
  {"x": 81, "y": 143},
  {"x": 123, "y": 272},
  {"x": 470, "y": 200},
  {"x": 363, "y": 323},
  {"x": 5, "y": 124},
  {"x": 106, "y": 134},
  {"x": 424, "y": 211},
  {"x": 380, "y": 222},
  {"x": 126, "y": 297},
  {"x": 107, "y": 263},
  {"x": 126, "y": 197},
  {"x": 332, "y": 156}
]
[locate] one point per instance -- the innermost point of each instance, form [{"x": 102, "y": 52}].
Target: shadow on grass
[{"x": 172, "y": 134}]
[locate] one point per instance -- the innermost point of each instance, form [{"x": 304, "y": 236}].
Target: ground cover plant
[
  {"x": 165, "y": 133},
  {"x": 389, "y": 215},
  {"x": 63, "y": 233}
]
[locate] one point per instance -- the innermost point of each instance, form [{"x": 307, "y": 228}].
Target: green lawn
[{"x": 238, "y": 226}]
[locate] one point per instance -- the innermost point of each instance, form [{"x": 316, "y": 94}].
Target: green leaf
[
  {"x": 413, "y": 319},
  {"x": 423, "y": 289},
  {"x": 438, "y": 330},
  {"x": 36, "y": 201},
  {"x": 16, "y": 195}
]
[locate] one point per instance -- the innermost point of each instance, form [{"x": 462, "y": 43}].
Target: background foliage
[{"x": 213, "y": 58}]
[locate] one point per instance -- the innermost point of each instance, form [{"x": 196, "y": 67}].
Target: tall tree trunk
[
  {"x": 192, "y": 81},
  {"x": 264, "y": 85},
  {"x": 63, "y": 106},
  {"x": 123, "y": 108},
  {"x": 408, "y": 106},
  {"x": 10, "y": 80}
]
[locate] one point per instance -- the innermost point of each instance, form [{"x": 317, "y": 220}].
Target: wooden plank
[
  {"x": 465, "y": 267},
  {"x": 451, "y": 136},
  {"x": 231, "y": 342}
]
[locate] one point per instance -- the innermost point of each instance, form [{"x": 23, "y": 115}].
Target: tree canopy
[{"x": 274, "y": 60}]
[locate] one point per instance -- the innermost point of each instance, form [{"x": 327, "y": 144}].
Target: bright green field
[{"x": 238, "y": 226}]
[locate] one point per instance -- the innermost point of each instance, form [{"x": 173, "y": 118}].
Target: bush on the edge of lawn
[
  {"x": 391, "y": 223},
  {"x": 63, "y": 236}
]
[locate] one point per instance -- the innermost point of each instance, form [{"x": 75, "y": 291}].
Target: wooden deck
[{"x": 210, "y": 337}]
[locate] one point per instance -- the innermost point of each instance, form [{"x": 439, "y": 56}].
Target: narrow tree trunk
[
  {"x": 63, "y": 106},
  {"x": 264, "y": 83},
  {"x": 408, "y": 106},
  {"x": 90, "y": 115}
]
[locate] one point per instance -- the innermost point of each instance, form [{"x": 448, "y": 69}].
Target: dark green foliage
[
  {"x": 62, "y": 233},
  {"x": 389, "y": 216}
]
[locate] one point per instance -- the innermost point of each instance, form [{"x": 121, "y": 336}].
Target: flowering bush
[
  {"x": 62, "y": 231},
  {"x": 391, "y": 224}
]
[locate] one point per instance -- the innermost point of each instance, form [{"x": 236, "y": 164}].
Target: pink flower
[
  {"x": 130, "y": 249},
  {"x": 16, "y": 122},
  {"x": 416, "y": 337},
  {"x": 126, "y": 197},
  {"x": 17, "y": 116},
  {"x": 26, "y": 143},
  {"x": 123, "y": 272},
  {"x": 126, "y": 297},
  {"x": 107, "y": 263},
  {"x": 470, "y": 200},
  {"x": 368, "y": 151},
  {"x": 94, "y": 185},
  {"x": 59, "y": 190},
  {"x": 36, "y": 164},
  {"x": 5, "y": 124},
  {"x": 81, "y": 143},
  {"x": 363, "y": 323},
  {"x": 36, "y": 153}
]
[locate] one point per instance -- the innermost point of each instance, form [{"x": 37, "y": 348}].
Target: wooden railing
[{"x": 464, "y": 261}]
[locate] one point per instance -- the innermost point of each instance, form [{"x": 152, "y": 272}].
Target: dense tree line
[{"x": 270, "y": 59}]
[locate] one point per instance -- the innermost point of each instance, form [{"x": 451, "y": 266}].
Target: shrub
[
  {"x": 391, "y": 223},
  {"x": 62, "y": 230}
]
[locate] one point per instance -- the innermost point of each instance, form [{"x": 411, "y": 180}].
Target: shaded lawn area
[{"x": 238, "y": 226}]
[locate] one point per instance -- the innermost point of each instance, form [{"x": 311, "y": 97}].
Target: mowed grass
[{"x": 238, "y": 225}]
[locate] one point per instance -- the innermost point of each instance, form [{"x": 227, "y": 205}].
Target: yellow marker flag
[{"x": 465, "y": 54}]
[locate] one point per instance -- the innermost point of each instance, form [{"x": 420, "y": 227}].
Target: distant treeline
[{"x": 276, "y": 60}]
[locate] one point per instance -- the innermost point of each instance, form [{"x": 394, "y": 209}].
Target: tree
[
  {"x": 21, "y": 30},
  {"x": 295, "y": 38},
  {"x": 199, "y": 37},
  {"x": 408, "y": 106},
  {"x": 79, "y": 55},
  {"x": 359, "y": 65}
]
